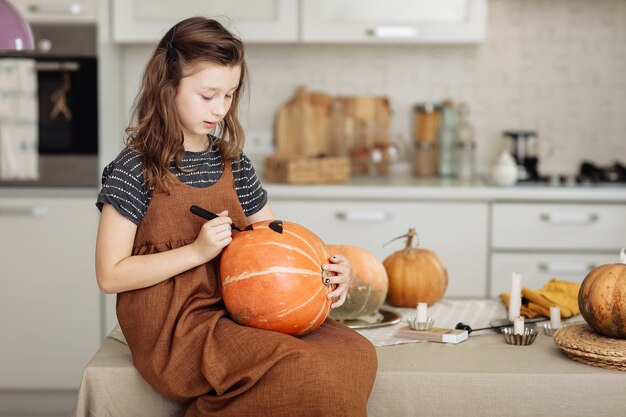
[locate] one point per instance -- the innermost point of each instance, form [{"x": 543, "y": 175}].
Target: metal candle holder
[
  {"x": 420, "y": 325},
  {"x": 548, "y": 330},
  {"x": 519, "y": 339}
]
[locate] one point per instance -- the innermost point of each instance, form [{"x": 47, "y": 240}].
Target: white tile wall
[{"x": 556, "y": 66}]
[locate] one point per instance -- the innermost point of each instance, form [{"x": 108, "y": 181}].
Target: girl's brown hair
[{"x": 157, "y": 134}]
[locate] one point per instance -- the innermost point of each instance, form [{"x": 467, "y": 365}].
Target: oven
[{"x": 67, "y": 96}]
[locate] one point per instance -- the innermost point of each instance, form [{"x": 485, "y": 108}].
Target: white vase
[{"x": 504, "y": 172}]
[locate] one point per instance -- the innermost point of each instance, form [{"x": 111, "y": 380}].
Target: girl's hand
[
  {"x": 341, "y": 278},
  {"x": 214, "y": 236}
]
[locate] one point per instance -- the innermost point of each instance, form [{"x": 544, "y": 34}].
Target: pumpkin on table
[
  {"x": 272, "y": 278},
  {"x": 602, "y": 298},
  {"x": 368, "y": 288},
  {"x": 416, "y": 275}
]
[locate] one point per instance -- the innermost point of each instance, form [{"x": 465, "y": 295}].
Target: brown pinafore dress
[{"x": 185, "y": 345}]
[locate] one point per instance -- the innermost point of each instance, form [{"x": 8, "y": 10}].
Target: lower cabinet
[
  {"x": 538, "y": 268},
  {"x": 456, "y": 231},
  {"x": 50, "y": 304},
  {"x": 552, "y": 240}
]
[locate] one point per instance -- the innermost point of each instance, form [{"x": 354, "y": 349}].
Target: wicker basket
[{"x": 302, "y": 170}]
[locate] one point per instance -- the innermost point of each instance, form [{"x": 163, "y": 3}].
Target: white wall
[{"x": 555, "y": 66}]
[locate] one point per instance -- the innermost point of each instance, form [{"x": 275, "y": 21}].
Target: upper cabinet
[
  {"x": 311, "y": 21},
  {"x": 252, "y": 20},
  {"x": 57, "y": 11},
  {"x": 397, "y": 21}
]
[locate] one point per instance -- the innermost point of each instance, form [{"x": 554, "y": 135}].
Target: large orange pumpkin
[
  {"x": 416, "y": 275},
  {"x": 271, "y": 277},
  {"x": 368, "y": 288},
  {"x": 602, "y": 299}
]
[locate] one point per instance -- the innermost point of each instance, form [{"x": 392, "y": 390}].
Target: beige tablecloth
[{"x": 480, "y": 377}]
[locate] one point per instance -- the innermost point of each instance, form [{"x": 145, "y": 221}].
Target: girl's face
[{"x": 203, "y": 99}]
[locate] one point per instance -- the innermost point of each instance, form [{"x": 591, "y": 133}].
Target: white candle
[
  {"x": 515, "y": 301},
  {"x": 555, "y": 317},
  {"x": 518, "y": 325},
  {"x": 422, "y": 312}
]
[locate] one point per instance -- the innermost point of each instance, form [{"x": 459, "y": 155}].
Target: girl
[{"x": 185, "y": 149}]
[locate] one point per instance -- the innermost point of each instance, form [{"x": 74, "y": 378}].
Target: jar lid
[
  {"x": 425, "y": 145},
  {"x": 466, "y": 145},
  {"x": 515, "y": 134},
  {"x": 427, "y": 107}
]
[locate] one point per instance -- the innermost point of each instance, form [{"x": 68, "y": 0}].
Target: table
[{"x": 482, "y": 376}]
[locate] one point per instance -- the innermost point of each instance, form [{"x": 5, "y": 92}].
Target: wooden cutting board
[{"x": 302, "y": 124}]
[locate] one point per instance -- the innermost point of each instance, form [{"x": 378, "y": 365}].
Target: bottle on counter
[
  {"x": 448, "y": 142},
  {"x": 425, "y": 151},
  {"x": 467, "y": 144}
]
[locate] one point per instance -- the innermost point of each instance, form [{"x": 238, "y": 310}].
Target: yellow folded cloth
[{"x": 555, "y": 293}]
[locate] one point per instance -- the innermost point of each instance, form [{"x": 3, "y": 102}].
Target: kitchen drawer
[
  {"x": 558, "y": 226},
  {"x": 456, "y": 231},
  {"x": 537, "y": 268}
]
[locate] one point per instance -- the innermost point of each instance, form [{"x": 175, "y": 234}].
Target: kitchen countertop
[
  {"x": 49, "y": 192},
  {"x": 399, "y": 187}
]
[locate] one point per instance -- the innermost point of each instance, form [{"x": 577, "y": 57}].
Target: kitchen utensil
[
  {"x": 207, "y": 215},
  {"x": 463, "y": 326},
  {"x": 302, "y": 124}
]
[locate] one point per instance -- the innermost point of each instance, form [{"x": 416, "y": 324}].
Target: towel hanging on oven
[{"x": 18, "y": 119}]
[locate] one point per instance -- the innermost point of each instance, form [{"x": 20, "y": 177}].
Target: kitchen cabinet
[
  {"x": 542, "y": 241},
  {"x": 456, "y": 231},
  {"x": 311, "y": 21},
  {"x": 50, "y": 304},
  {"x": 57, "y": 11},
  {"x": 399, "y": 21},
  {"x": 253, "y": 20}
]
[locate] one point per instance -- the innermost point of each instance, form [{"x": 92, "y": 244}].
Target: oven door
[{"x": 68, "y": 123}]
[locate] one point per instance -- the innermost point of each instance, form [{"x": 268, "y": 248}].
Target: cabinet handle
[
  {"x": 569, "y": 217},
  {"x": 364, "y": 216},
  {"x": 393, "y": 32},
  {"x": 566, "y": 267},
  {"x": 34, "y": 211},
  {"x": 73, "y": 9}
]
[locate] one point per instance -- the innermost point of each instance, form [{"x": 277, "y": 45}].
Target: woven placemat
[{"x": 582, "y": 344}]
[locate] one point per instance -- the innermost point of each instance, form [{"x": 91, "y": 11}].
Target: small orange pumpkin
[
  {"x": 272, "y": 278},
  {"x": 602, "y": 298},
  {"x": 416, "y": 275},
  {"x": 368, "y": 288}
]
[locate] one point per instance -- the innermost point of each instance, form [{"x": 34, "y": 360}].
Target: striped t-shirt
[{"x": 123, "y": 184}]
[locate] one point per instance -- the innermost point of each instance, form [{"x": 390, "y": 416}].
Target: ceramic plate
[{"x": 384, "y": 317}]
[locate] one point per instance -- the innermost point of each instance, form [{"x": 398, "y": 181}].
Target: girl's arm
[
  {"x": 117, "y": 270},
  {"x": 265, "y": 213}
]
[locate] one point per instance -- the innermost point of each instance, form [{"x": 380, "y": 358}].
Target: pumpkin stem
[
  {"x": 409, "y": 238},
  {"x": 622, "y": 257}
]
